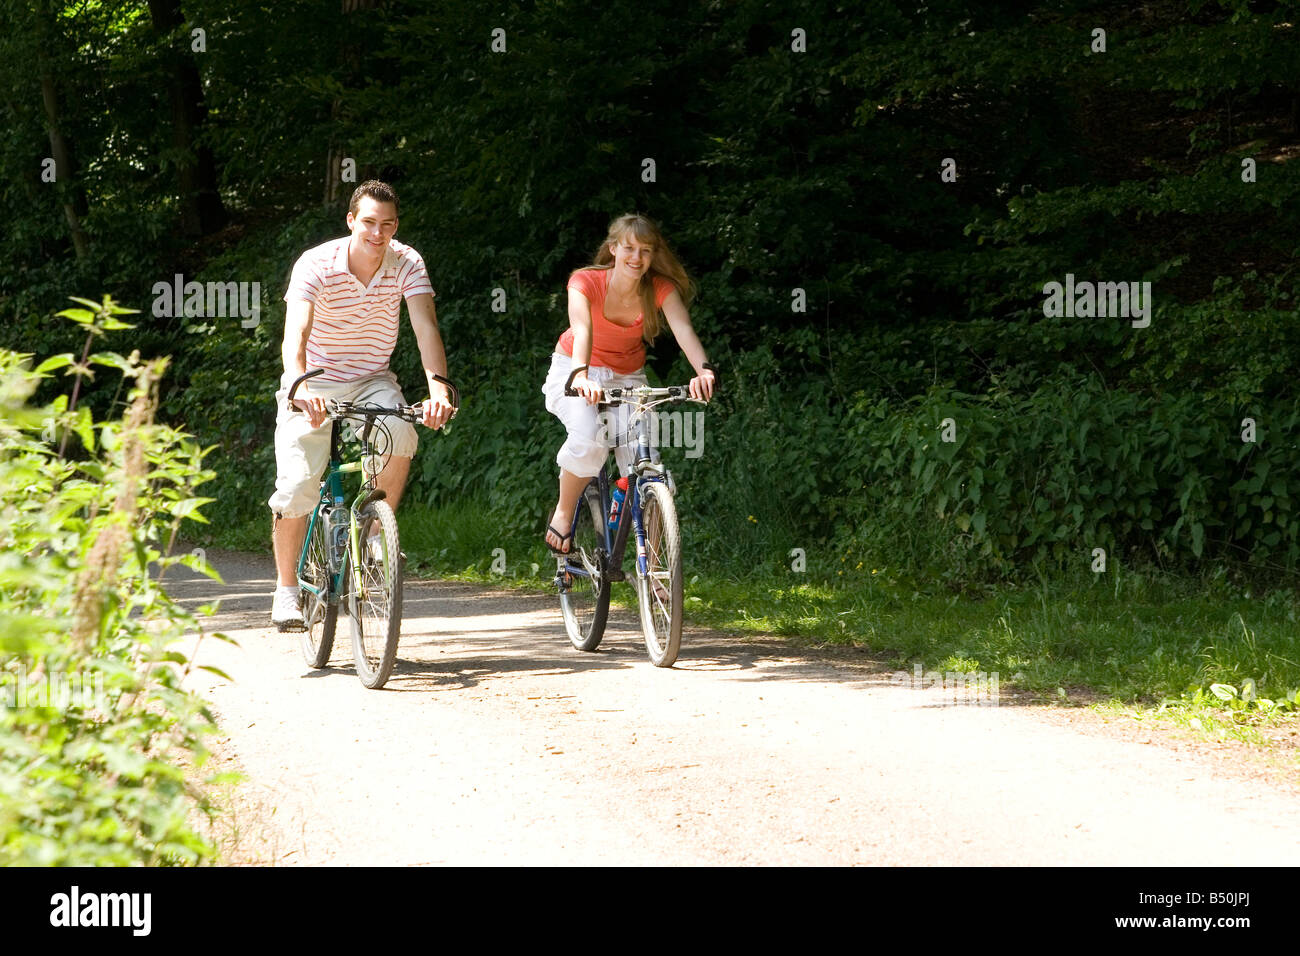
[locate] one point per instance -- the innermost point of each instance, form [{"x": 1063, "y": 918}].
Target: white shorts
[
  {"x": 302, "y": 452},
  {"x": 591, "y": 435}
]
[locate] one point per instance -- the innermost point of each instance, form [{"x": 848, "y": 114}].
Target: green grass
[
  {"x": 1142, "y": 639},
  {"x": 249, "y": 534},
  {"x": 1158, "y": 639},
  {"x": 1201, "y": 718}
]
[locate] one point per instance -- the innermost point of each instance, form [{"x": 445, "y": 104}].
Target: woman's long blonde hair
[{"x": 663, "y": 262}]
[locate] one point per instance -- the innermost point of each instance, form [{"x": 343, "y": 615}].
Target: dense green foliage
[
  {"x": 1040, "y": 474},
  {"x": 98, "y": 736},
  {"x": 776, "y": 169}
]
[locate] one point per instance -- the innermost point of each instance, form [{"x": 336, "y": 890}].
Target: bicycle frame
[
  {"x": 332, "y": 495},
  {"x": 615, "y": 544},
  {"x": 373, "y": 592},
  {"x": 598, "y": 555}
]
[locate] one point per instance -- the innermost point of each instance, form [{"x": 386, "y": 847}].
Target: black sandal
[{"x": 563, "y": 538}]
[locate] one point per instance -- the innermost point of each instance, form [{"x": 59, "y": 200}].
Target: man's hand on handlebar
[
  {"x": 313, "y": 405},
  {"x": 436, "y": 410}
]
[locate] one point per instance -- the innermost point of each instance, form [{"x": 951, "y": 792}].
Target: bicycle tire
[
  {"x": 376, "y": 612},
  {"x": 585, "y": 605},
  {"x": 320, "y": 616},
  {"x": 661, "y": 620}
]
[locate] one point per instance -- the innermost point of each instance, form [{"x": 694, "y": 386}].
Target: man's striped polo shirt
[{"x": 354, "y": 328}]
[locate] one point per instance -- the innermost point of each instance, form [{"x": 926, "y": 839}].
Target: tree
[
  {"x": 202, "y": 211},
  {"x": 72, "y": 196}
]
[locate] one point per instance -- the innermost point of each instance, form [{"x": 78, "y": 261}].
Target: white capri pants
[
  {"x": 302, "y": 452},
  {"x": 591, "y": 434}
]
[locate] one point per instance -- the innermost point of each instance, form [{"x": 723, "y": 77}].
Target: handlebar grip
[
  {"x": 568, "y": 383},
  {"x": 717, "y": 377},
  {"x": 302, "y": 378},
  {"x": 455, "y": 392}
]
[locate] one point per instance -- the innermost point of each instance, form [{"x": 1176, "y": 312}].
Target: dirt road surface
[{"x": 496, "y": 743}]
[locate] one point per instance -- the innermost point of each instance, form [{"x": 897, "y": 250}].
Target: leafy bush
[
  {"x": 98, "y": 775},
  {"x": 1071, "y": 467}
]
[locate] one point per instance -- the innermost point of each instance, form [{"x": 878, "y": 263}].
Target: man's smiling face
[{"x": 372, "y": 225}]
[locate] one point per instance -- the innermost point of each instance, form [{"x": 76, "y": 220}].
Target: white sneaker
[{"x": 285, "y": 613}]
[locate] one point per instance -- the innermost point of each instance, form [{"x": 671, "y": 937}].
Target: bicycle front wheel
[
  {"x": 584, "y": 591},
  {"x": 376, "y": 609},
  {"x": 659, "y": 590},
  {"x": 318, "y": 613}
]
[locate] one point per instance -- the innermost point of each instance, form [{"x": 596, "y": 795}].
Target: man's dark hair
[{"x": 376, "y": 190}]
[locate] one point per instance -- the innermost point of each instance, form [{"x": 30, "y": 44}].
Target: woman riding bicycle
[{"x": 617, "y": 306}]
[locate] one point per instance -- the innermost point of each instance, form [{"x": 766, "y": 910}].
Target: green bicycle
[{"x": 351, "y": 555}]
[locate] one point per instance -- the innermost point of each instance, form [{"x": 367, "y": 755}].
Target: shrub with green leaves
[
  {"x": 975, "y": 484},
  {"x": 97, "y": 777}
]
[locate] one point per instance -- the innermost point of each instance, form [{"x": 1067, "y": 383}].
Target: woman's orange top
[{"x": 615, "y": 346}]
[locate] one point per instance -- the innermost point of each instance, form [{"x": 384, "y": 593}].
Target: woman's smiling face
[{"x": 632, "y": 257}]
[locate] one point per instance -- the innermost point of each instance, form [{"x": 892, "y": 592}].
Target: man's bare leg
[
  {"x": 286, "y": 539},
  {"x": 392, "y": 480},
  {"x": 287, "y": 533}
]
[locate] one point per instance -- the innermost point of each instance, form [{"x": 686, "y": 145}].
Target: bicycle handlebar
[
  {"x": 366, "y": 411},
  {"x": 569, "y": 390},
  {"x": 455, "y": 392},
  {"x": 676, "y": 393},
  {"x": 673, "y": 393},
  {"x": 400, "y": 411},
  {"x": 299, "y": 380}
]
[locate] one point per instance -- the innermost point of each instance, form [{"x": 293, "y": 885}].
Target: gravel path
[{"x": 497, "y": 743}]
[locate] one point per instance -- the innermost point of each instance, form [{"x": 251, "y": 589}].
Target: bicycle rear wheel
[
  {"x": 318, "y": 613},
  {"x": 584, "y": 594},
  {"x": 376, "y": 610},
  {"x": 659, "y": 590}
]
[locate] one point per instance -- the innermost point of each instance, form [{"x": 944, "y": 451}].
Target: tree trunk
[
  {"x": 64, "y": 171},
  {"x": 333, "y": 158},
  {"x": 202, "y": 211},
  {"x": 65, "y": 181},
  {"x": 350, "y": 60}
]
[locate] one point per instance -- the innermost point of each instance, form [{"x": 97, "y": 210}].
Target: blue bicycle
[{"x": 647, "y": 513}]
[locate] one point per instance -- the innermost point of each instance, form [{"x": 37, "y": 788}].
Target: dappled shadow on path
[{"x": 457, "y": 636}]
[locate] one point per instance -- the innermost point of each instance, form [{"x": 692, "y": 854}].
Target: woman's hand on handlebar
[
  {"x": 701, "y": 386},
  {"x": 588, "y": 389}
]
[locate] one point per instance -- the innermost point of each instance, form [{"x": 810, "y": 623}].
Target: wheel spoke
[
  {"x": 377, "y": 605},
  {"x": 659, "y": 587},
  {"x": 319, "y": 616},
  {"x": 584, "y": 600}
]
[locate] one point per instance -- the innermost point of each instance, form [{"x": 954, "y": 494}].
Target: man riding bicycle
[{"x": 342, "y": 315}]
